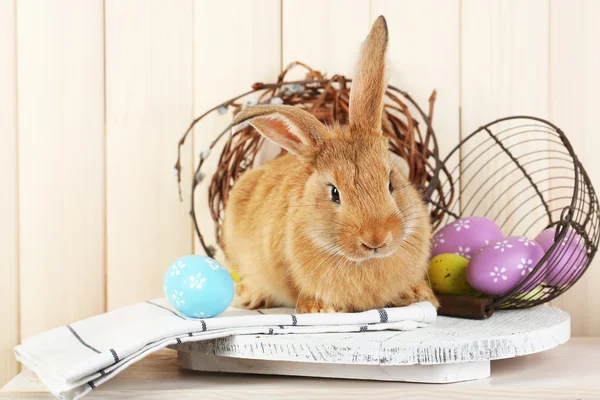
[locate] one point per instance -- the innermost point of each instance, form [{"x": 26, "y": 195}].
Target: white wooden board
[
  {"x": 439, "y": 373},
  {"x": 448, "y": 341}
]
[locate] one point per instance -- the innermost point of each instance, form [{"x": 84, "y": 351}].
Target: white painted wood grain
[
  {"x": 61, "y": 161},
  {"x": 236, "y": 43},
  {"x": 575, "y": 84},
  {"x": 504, "y": 71},
  {"x": 9, "y": 267},
  {"x": 326, "y": 35},
  {"x": 567, "y": 372},
  {"x": 148, "y": 107},
  {"x": 504, "y": 60}
]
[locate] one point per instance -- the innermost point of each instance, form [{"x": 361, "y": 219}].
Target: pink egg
[
  {"x": 568, "y": 258},
  {"x": 465, "y": 236},
  {"x": 501, "y": 265}
]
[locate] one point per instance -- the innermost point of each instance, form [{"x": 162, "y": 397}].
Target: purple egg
[
  {"x": 501, "y": 265},
  {"x": 568, "y": 258},
  {"x": 465, "y": 236},
  {"x": 545, "y": 238}
]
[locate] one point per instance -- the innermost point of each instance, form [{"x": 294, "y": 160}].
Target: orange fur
[{"x": 292, "y": 245}]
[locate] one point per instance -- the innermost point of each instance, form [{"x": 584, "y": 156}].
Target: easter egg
[
  {"x": 198, "y": 286},
  {"x": 565, "y": 263},
  {"x": 534, "y": 294},
  {"x": 501, "y": 265},
  {"x": 448, "y": 275},
  {"x": 465, "y": 236}
]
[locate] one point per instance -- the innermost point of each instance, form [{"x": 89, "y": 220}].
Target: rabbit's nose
[
  {"x": 374, "y": 243},
  {"x": 372, "y": 246}
]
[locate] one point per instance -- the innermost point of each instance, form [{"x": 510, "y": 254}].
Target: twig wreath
[{"x": 327, "y": 99}]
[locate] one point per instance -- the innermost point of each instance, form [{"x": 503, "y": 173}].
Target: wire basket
[{"x": 523, "y": 173}]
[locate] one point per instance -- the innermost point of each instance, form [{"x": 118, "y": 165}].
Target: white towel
[{"x": 72, "y": 360}]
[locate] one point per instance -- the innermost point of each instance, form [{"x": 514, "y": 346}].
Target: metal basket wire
[{"x": 523, "y": 173}]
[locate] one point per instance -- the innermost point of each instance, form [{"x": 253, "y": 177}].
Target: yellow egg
[
  {"x": 534, "y": 294},
  {"x": 448, "y": 275},
  {"x": 234, "y": 276}
]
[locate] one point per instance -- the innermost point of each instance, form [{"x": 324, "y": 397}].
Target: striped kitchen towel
[{"x": 72, "y": 360}]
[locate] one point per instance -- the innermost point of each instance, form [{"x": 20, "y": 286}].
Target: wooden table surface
[{"x": 571, "y": 371}]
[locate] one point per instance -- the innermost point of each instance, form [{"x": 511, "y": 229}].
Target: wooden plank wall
[
  {"x": 94, "y": 98},
  {"x": 504, "y": 71},
  {"x": 60, "y": 114},
  {"x": 9, "y": 283},
  {"x": 574, "y": 105},
  {"x": 230, "y": 54},
  {"x": 149, "y": 102}
]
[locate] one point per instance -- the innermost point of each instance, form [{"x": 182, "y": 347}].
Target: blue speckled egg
[{"x": 198, "y": 286}]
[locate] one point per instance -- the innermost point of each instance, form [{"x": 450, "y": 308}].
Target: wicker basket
[{"x": 408, "y": 127}]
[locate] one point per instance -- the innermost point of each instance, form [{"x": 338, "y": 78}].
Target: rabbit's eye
[
  {"x": 391, "y": 187},
  {"x": 335, "y": 194}
]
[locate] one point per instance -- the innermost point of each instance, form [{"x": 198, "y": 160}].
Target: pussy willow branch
[
  {"x": 257, "y": 87},
  {"x": 209, "y": 250}
]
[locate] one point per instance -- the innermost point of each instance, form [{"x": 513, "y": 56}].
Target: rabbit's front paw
[
  {"x": 419, "y": 292},
  {"x": 306, "y": 306},
  {"x": 250, "y": 297}
]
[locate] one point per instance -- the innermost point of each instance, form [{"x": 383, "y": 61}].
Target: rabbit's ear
[
  {"x": 292, "y": 128},
  {"x": 368, "y": 85}
]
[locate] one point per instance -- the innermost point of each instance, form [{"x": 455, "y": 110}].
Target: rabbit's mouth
[
  {"x": 364, "y": 252},
  {"x": 383, "y": 253}
]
